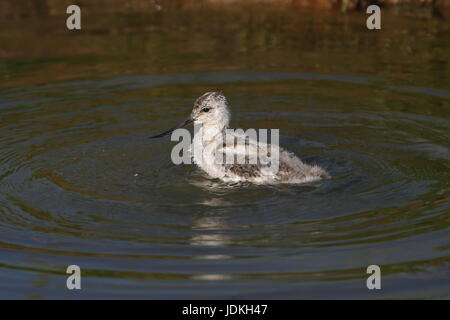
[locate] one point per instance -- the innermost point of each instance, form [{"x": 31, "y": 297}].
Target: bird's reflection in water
[{"x": 211, "y": 235}]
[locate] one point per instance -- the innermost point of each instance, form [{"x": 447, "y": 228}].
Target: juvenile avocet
[{"x": 212, "y": 116}]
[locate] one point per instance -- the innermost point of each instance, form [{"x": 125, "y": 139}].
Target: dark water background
[{"x": 81, "y": 184}]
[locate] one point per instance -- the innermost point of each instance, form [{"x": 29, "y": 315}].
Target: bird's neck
[{"x": 208, "y": 132}]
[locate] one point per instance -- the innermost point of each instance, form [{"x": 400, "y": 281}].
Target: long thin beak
[{"x": 166, "y": 133}]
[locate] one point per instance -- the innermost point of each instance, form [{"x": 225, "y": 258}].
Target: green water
[{"x": 81, "y": 184}]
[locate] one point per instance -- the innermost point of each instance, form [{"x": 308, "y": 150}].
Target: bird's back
[{"x": 258, "y": 162}]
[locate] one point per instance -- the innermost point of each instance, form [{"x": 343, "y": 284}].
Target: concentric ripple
[{"x": 80, "y": 183}]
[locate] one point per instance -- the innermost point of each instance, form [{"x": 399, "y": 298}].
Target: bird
[{"x": 216, "y": 148}]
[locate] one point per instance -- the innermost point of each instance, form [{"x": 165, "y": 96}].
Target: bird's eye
[{"x": 205, "y": 109}]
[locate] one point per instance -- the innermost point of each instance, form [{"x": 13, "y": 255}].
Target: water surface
[{"x": 81, "y": 184}]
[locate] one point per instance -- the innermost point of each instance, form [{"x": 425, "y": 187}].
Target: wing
[{"x": 248, "y": 160}]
